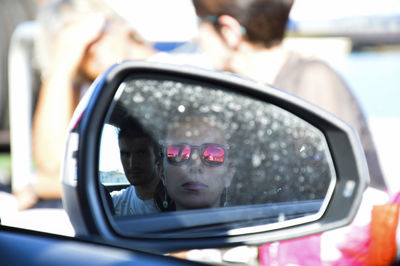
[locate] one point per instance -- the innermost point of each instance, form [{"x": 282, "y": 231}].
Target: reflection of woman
[{"x": 195, "y": 168}]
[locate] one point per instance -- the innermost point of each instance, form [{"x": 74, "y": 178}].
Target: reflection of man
[{"x": 139, "y": 159}]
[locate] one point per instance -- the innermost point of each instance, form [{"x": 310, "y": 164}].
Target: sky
[
  {"x": 334, "y": 9},
  {"x": 180, "y": 14}
]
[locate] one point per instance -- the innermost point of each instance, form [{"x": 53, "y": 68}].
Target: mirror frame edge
[{"x": 88, "y": 191}]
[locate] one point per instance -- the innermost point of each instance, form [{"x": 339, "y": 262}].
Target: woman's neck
[{"x": 259, "y": 64}]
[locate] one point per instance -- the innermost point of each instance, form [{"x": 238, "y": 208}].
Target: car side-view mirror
[{"x": 165, "y": 158}]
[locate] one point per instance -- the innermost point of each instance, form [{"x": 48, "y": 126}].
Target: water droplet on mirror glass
[
  {"x": 256, "y": 160},
  {"x": 283, "y": 145},
  {"x": 181, "y": 108},
  {"x": 204, "y": 109},
  {"x": 157, "y": 94},
  {"x": 216, "y": 108},
  {"x": 188, "y": 134},
  {"x": 138, "y": 98}
]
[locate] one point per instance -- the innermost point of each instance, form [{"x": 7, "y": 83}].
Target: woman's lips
[{"x": 194, "y": 186}]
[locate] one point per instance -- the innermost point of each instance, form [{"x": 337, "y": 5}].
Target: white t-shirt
[{"x": 126, "y": 202}]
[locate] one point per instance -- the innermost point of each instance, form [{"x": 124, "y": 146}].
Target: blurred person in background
[
  {"x": 245, "y": 37},
  {"x": 77, "y": 41}
]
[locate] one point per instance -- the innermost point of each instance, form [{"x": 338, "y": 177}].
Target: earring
[
  {"x": 165, "y": 201},
  {"x": 226, "y": 203}
]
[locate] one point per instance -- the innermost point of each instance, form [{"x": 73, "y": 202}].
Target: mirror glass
[{"x": 175, "y": 145}]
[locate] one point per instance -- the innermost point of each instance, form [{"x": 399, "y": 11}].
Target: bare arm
[{"x": 56, "y": 103}]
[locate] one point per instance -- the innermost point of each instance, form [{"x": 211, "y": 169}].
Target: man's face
[
  {"x": 138, "y": 160},
  {"x": 194, "y": 185}
]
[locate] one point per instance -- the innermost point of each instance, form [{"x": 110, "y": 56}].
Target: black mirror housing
[{"x": 85, "y": 199}]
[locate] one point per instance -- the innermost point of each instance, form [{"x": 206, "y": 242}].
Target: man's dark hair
[
  {"x": 264, "y": 20},
  {"x": 132, "y": 128}
]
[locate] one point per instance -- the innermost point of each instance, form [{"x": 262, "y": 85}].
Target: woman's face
[
  {"x": 194, "y": 185},
  {"x": 113, "y": 46}
]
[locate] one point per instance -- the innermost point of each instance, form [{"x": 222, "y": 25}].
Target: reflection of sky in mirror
[{"x": 109, "y": 153}]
